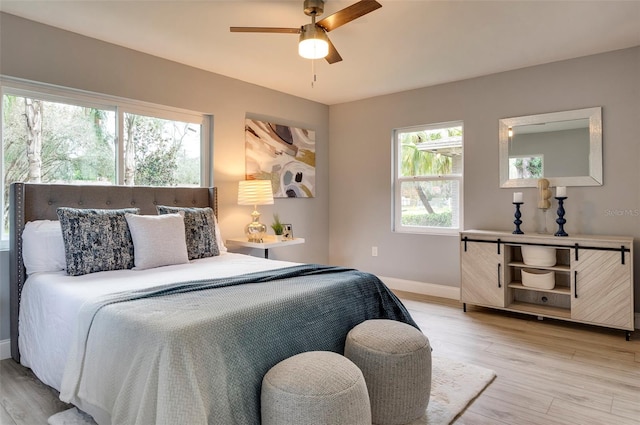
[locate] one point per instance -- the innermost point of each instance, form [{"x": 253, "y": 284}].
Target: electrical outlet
[{"x": 374, "y": 251}]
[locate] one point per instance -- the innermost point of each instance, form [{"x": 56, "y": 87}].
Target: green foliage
[
  {"x": 79, "y": 146},
  {"x": 427, "y": 220},
  {"x": 72, "y": 148},
  {"x": 535, "y": 167},
  {"x": 76, "y": 146},
  {"x": 277, "y": 227},
  {"x": 154, "y": 154},
  {"x": 417, "y": 159},
  {"x": 159, "y": 157},
  {"x": 417, "y": 162},
  {"x": 529, "y": 167}
]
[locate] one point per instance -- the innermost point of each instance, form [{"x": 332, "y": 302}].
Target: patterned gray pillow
[
  {"x": 199, "y": 224},
  {"x": 96, "y": 240}
]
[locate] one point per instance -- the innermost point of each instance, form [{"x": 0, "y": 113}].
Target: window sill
[{"x": 443, "y": 232}]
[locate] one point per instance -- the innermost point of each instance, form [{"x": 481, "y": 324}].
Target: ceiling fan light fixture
[{"x": 314, "y": 43}]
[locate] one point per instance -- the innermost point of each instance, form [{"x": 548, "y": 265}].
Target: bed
[{"x": 183, "y": 343}]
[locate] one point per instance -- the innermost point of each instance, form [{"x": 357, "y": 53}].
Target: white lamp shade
[
  {"x": 313, "y": 43},
  {"x": 255, "y": 192}
]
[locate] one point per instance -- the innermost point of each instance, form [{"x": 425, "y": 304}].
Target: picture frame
[{"x": 287, "y": 232}]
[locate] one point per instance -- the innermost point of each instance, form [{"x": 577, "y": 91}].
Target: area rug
[{"x": 454, "y": 385}]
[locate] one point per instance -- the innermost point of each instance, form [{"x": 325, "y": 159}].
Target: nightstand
[{"x": 268, "y": 243}]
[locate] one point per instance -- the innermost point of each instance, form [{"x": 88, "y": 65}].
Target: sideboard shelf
[
  {"x": 522, "y": 265},
  {"x": 558, "y": 290},
  {"x": 593, "y": 277}
]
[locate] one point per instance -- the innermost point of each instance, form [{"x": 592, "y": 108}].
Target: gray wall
[
  {"x": 361, "y": 148},
  {"x": 41, "y": 53}
]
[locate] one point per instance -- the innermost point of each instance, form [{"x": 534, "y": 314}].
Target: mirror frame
[{"x": 595, "y": 147}]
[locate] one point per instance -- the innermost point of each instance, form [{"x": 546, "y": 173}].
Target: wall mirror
[{"x": 562, "y": 147}]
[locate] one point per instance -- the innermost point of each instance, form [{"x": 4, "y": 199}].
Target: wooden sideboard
[{"x": 593, "y": 277}]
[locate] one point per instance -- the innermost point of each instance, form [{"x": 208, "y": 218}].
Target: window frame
[
  {"x": 397, "y": 180},
  {"x": 119, "y": 105}
]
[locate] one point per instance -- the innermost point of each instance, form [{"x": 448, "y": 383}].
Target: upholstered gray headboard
[{"x": 30, "y": 201}]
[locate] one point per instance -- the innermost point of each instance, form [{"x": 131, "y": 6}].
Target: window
[
  {"x": 428, "y": 178},
  {"x": 54, "y": 135}
]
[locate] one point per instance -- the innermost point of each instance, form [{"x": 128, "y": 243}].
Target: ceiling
[{"x": 402, "y": 46}]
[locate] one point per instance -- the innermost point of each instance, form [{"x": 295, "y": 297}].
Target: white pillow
[
  {"x": 43, "y": 247},
  {"x": 221, "y": 247},
  {"x": 158, "y": 240}
]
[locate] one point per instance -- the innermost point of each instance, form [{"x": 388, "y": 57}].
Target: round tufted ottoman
[
  {"x": 395, "y": 359},
  {"x": 317, "y": 387}
]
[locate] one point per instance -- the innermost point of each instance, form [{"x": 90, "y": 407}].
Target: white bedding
[{"x": 51, "y": 301}]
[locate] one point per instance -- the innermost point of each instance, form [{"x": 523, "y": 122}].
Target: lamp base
[{"x": 255, "y": 230}]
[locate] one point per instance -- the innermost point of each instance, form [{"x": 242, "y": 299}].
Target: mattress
[
  {"x": 188, "y": 343},
  {"x": 51, "y": 302}
]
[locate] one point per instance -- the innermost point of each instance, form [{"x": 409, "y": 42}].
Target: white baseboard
[
  {"x": 423, "y": 288},
  {"x": 5, "y": 349}
]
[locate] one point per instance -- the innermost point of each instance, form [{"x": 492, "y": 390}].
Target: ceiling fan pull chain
[{"x": 313, "y": 72}]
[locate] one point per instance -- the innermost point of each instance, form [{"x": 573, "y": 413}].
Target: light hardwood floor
[{"x": 548, "y": 372}]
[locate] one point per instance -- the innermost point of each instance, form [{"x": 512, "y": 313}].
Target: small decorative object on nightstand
[
  {"x": 277, "y": 227},
  {"x": 287, "y": 232}
]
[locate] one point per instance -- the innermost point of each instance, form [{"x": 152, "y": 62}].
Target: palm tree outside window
[{"x": 428, "y": 178}]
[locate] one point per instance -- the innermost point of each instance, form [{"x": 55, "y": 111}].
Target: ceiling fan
[{"x": 314, "y": 42}]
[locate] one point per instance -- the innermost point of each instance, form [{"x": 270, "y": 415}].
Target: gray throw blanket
[{"x": 195, "y": 352}]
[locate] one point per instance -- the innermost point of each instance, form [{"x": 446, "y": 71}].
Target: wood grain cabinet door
[
  {"x": 482, "y": 274},
  {"x": 602, "y": 291}
]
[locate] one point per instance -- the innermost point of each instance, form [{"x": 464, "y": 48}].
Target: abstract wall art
[{"x": 283, "y": 154}]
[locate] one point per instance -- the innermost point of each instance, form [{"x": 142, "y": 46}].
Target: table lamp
[{"x": 255, "y": 192}]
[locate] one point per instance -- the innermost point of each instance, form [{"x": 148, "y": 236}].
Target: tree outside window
[
  {"x": 161, "y": 152},
  {"x": 54, "y": 142}
]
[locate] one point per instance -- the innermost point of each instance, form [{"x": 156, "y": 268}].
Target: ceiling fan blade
[
  {"x": 266, "y": 29},
  {"x": 348, "y": 14},
  {"x": 333, "y": 55}
]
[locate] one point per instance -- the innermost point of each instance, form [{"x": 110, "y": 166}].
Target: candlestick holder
[
  {"x": 517, "y": 221},
  {"x": 560, "y": 220}
]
